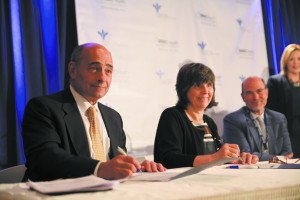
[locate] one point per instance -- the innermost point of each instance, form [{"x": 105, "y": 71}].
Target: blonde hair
[{"x": 285, "y": 56}]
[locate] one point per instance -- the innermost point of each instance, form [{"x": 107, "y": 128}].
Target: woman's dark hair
[{"x": 193, "y": 74}]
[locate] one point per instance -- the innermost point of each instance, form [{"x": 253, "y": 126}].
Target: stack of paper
[{"x": 87, "y": 183}]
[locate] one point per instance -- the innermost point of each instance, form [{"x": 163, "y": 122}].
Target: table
[{"x": 214, "y": 183}]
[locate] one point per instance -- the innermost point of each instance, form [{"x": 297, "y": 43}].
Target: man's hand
[
  {"x": 119, "y": 167},
  {"x": 123, "y": 166},
  {"x": 289, "y": 156}
]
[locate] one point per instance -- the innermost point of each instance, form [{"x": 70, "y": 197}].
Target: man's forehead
[
  {"x": 254, "y": 87},
  {"x": 99, "y": 53},
  {"x": 255, "y": 82}
]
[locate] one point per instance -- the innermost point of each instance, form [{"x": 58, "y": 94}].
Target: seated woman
[{"x": 185, "y": 136}]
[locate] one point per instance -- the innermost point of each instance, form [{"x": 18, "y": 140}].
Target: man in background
[{"x": 256, "y": 129}]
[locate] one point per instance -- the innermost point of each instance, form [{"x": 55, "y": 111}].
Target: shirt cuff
[{"x": 96, "y": 168}]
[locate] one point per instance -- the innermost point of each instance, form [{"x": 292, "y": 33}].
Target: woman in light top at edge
[{"x": 185, "y": 136}]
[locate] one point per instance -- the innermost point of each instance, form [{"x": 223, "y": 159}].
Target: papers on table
[
  {"x": 265, "y": 166},
  {"x": 253, "y": 166},
  {"x": 165, "y": 176},
  {"x": 289, "y": 161},
  {"x": 291, "y": 164},
  {"x": 93, "y": 183},
  {"x": 82, "y": 184}
]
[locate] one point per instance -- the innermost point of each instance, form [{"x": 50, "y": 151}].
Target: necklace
[
  {"x": 294, "y": 79},
  {"x": 295, "y": 84},
  {"x": 194, "y": 119}
]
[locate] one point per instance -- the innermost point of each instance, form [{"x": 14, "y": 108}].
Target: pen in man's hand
[{"x": 121, "y": 151}]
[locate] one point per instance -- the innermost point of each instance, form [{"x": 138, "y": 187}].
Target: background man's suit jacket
[
  {"x": 55, "y": 141},
  {"x": 239, "y": 128}
]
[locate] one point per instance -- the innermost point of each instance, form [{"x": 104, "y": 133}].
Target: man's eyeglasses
[{"x": 275, "y": 159}]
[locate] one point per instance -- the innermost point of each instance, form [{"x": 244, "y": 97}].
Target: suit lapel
[
  {"x": 75, "y": 126},
  {"x": 110, "y": 128},
  {"x": 254, "y": 134}
]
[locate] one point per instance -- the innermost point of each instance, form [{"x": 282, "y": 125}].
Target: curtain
[
  {"x": 282, "y": 27},
  {"x": 37, "y": 37}
]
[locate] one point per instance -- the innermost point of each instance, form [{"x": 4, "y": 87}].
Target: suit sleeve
[
  {"x": 235, "y": 133},
  {"x": 169, "y": 142},
  {"x": 286, "y": 147}
]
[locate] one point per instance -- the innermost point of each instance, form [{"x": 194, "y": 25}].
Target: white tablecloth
[{"x": 213, "y": 183}]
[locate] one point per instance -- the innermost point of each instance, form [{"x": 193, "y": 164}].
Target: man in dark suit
[
  {"x": 55, "y": 128},
  {"x": 266, "y": 138}
]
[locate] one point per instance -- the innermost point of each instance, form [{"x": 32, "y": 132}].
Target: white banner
[{"x": 150, "y": 40}]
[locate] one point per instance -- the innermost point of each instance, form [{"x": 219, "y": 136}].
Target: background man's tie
[
  {"x": 263, "y": 133},
  {"x": 97, "y": 143}
]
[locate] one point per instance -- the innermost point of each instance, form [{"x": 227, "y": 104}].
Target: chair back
[{"x": 12, "y": 174}]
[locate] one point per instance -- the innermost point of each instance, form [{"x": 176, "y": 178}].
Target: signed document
[{"x": 166, "y": 176}]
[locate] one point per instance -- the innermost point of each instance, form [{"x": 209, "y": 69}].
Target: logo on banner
[
  {"x": 161, "y": 15},
  {"x": 218, "y": 80},
  {"x": 206, "y": 52},
  {"x": 111, "y": 5},
  {"x": 160, "y": 74},
  {"x": 166, "y": 45},
  {"x": 201, "y": 45},
  {"x": 242, "y": 78},
  {"x": 102, "y": 34},
  {"x": 245, "y": 53},
  {"x": 207, "y": 20},
  {"x": 157, "y": 7},
  {"x": 243, "y": 27},
  {"x": 239, "y": 21}
]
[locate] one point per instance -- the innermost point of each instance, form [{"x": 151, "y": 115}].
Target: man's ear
[
  {"x": 242, "y": 96},
  {"x": 72, "y": 69}
]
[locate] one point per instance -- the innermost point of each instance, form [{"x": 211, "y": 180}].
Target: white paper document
[
  {"x": 86, "y": 183},
  {"x": 165, "y": 176},
  {"x": 291, "y": 164}
]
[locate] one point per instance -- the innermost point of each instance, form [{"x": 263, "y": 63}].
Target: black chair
[{"x": 12, "y": 174}]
